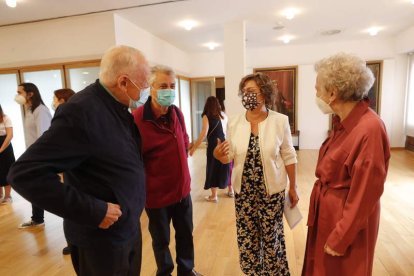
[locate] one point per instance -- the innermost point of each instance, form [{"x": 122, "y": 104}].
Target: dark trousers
[
  {"x": 108, "y": 260},
  {"x": 37, "y": 214},
  {"x": 181, "y": 214}
]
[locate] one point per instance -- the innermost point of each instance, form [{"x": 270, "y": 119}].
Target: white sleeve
[{"x": 7, "y": 122}]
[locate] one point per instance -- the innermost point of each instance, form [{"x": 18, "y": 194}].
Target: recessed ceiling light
[
  {"x": 188, "y": 24},
  {"x": 290, "y": 13},
  {"x": 373, "y": 31},
  {"x": 286, "y": 38},
  {"x": 278, "y": 26},
  {"x": 211, "y": 45},
  {"x": 11, "y": 3},
  {"x": 85, "y": 73},
  {"x": 330, "y": 32}
]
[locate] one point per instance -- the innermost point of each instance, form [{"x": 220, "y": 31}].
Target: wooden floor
[{"x": 38, "y": 252}]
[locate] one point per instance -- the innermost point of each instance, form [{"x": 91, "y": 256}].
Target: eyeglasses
[{"x": 140, "y": 88}]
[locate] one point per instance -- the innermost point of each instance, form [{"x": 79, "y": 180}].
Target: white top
[
  {"x": 36, "y": 123},
  {"x": 224, "y": 123},
  {"x": 6, "y": 124},
  {"x": 276, "y": 149}
]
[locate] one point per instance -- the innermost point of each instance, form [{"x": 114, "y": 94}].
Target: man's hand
[{"x": 112, "y": 214}]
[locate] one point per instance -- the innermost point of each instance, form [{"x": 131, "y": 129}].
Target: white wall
[
  {"x": 404, "y": 42},
  {"x": 156, "y": 50},
  {"x": 207, "y": 64},
  {"x": 60, "y": 40},
  {"x": 312, "y": 123},
  {"x": 370, "y": 49}
]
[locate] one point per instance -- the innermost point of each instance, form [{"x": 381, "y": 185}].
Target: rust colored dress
[{"x": 344, "y": 208}]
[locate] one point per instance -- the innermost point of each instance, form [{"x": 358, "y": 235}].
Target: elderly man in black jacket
[{"x": 93, "y": 140}]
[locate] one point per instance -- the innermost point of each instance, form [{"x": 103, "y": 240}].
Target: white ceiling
[{"x": 161, "y": 18}]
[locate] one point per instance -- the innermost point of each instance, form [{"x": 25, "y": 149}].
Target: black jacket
[{"x": 94, "y": 141}]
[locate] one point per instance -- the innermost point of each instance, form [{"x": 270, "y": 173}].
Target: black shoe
[{"x": 66, "y": 250}]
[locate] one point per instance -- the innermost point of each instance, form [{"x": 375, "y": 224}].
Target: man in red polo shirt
[{"x": 164, "y": 149}]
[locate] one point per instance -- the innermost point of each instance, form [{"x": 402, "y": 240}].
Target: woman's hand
[
  {"x": 293, "y": 197},
  {"x": 221, "y": 151},
  {"x": 331, "y": 252},
  {"x": 192, "y": 150}
]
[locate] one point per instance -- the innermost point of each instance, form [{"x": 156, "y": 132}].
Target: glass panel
[
  {"x": 47, "y": 82},
  {"x": 177, "y": 94},
  {"x": 201, "y": 90},
  {"x": 186, "y": 104},
  {"x": 8, "y": 88},
  {"x": 410, "y": 99},
  {"x": 79, "y": 78}
]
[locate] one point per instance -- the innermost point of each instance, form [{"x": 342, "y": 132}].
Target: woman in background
[
  {"x": 36, "y": 120},
  {"x": 62, "y": 96},
  {"x": 6, "y": 156},
  {"x": 216, "y": 173},
  {"x": 224, "y": 122}
]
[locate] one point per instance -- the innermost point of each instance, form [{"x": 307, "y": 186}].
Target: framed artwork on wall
[
  {"x": 285, "y": 80},
  {"x": 374, "y": 93}
]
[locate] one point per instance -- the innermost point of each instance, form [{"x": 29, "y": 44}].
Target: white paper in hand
[{"x": 292, "y": 215}]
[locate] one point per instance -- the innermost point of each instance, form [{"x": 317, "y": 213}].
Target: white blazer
[{"x": 276, "y": 149}]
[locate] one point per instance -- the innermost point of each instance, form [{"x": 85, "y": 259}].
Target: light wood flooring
[{"x": 38, "y": 252}]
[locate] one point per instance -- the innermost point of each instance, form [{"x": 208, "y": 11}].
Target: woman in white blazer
[{"x": 259, "y": 142}]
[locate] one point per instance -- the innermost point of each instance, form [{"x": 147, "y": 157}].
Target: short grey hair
[
  {"x": 347, "y": 73},
  {"x": 160, "y": 69},
  {"x": 120, "y": 60}
]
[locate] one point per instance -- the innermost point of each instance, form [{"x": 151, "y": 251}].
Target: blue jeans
[{"x": 181, "y": 214}]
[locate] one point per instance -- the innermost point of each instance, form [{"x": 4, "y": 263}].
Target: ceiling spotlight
[
  {"x": 11, "y": 3},
  {"x": 290, "y": 13},
  {"x": 188, "y": 24},
  {"x": 211, "y": 45},
  {"x": 286, "y": 38},
  {"x": 373, "y": 31}
]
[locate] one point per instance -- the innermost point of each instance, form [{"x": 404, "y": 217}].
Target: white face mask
[
  {"x": 53, "y": 106},
  {"x": 20, "y": 99},
  {"x": 323, "y": 106}
]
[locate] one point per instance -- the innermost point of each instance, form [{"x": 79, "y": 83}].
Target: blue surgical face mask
[{"x": 165, "y": 97}]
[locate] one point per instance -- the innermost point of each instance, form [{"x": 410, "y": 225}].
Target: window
[
  {"x": 409, "y": 125},
  {"x": 47, "y": 81},
  {"x": 79, "y": 77}
]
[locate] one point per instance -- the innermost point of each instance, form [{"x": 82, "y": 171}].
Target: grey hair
[
  {"x": 119, "y": 60},
  {"x": 160, "y": 69},
  {"x": 347, "y": 73}
]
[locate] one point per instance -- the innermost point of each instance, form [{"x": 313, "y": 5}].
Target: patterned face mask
[{"x": 249, "y": 101}]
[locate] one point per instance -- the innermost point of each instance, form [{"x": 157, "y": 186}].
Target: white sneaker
[
  {"x": 6, "y": 200},
  {"x": 31, "y": 224}
]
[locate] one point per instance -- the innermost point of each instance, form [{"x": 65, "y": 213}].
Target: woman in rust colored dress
[{"x": 344, "y": 209}]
